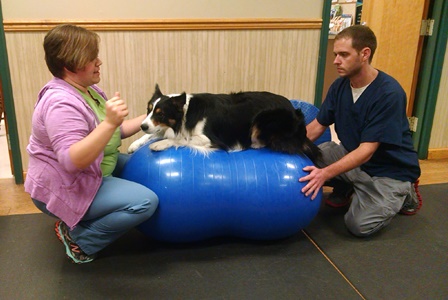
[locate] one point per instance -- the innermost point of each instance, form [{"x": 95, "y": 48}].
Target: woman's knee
[
  {"x": 145, "y": 204},
  {"x": 129, "y": 197},
  {"x": 152, "y": 203}
]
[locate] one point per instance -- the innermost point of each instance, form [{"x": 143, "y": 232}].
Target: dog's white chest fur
[{"x": 196, "y": 139}]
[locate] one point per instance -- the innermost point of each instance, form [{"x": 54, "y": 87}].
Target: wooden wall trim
[
  {"x": 168, "y": 24},
  {"x": 439, "y": 153}
]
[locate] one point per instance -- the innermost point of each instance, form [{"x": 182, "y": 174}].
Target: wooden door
[
  {"x": 3, "y": 116},
  {"x": 397, "y": 24}
]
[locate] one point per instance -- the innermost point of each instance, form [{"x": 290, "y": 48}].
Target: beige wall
[
  {"x": 439, "y": 133},
  {"x": 280, "y": 60},
  {"x": 283, "y": 61},
  {"x": 156, "y": 9}
]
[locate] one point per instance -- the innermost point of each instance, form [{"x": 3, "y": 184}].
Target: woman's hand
[
  {"x": 116, "y": 110},
  {"x": 86, "y": 151}
]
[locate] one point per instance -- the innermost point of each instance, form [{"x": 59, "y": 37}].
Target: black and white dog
[{"x": 234, "y": 121}]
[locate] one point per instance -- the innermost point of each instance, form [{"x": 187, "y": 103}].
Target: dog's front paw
[
  {"x": 138, "y": 143},
  {"x": 161, "y": 145},
  {"x": 133, "y": 147}
]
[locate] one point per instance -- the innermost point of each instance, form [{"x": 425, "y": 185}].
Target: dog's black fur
[
  {"x": 283, "y": 130},
  {"x": 234, "y": 121}
]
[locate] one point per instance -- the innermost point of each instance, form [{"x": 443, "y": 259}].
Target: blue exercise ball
[{"x": 253, "y": 194}]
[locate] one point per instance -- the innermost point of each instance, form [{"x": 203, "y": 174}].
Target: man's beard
[{"x": 352, "y": 73}]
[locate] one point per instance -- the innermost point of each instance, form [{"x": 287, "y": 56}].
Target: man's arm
[
  {"x": 317, "y": 177},
  {"x": 314, "y": 130}
]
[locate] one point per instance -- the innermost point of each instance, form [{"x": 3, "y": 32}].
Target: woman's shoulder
[
  {"x": 57, "y": 85},
  {"x": 57, "y": 91},
  {"x": 61, "y": 97}
]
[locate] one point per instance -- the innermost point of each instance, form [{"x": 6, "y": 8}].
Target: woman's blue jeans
[{"x": 119, "y": 206}]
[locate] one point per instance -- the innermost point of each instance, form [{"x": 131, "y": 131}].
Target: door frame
[
  {"x": 10, "y": 115},
  {"x": 428, "y": 85},
  {"x": 322, "y": 60}
]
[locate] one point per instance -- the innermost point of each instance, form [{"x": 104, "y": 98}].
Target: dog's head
[{"x": 163, "y": 112}]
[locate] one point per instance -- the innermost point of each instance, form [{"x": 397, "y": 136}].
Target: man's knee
[
  {"x": 363, "y": 227},
  {"x": 356, "y": 228}
]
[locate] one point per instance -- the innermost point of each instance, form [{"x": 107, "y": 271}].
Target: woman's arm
[
  {"x": 131, "y": 126},
  {"x": 84, "y": 152}
]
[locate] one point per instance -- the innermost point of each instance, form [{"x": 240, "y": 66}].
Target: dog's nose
[{"x": 144, "y": 127}]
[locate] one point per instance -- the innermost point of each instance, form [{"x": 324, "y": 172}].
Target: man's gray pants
[{"x": 375, "y": 200}]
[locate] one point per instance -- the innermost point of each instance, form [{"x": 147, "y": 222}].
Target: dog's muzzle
[{"x": 144, "y": 127}]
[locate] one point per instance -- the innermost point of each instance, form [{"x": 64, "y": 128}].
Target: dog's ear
[
  {"x": 179, "y": 101},
  {"x": 157, "y": 94},
  {"x": 157, "y": 91}
]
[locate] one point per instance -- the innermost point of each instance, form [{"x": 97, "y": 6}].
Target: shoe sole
[
  {"x": 60, "y": 236},
  {"x": 420, "y": 202},
  {"x": 56, "y": 230},
  {"x": 334, "y": 205}
]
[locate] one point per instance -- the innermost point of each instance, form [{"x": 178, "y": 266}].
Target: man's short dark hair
[{"x": 362, "y": 36}]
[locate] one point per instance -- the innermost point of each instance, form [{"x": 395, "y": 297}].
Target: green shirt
[{"x": 98, "y": 105}]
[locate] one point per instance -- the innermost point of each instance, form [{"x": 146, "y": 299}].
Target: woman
[{"x": 73, "y": 150}]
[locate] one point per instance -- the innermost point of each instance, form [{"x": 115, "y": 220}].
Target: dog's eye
[{"x": 159, "y": 113}]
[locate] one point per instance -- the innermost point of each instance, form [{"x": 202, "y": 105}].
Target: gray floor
[{"x": 407, "y": 260}]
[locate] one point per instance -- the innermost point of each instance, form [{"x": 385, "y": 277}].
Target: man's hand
[{"x": 316, "y": 179}]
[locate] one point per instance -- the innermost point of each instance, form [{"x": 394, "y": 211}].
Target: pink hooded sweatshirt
[{"x": 61, "y": 118}]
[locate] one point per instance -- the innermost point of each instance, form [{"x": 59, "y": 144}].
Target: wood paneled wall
[
  {"x": 281, "y": 60},
  {"x": 438, "y": 144}
]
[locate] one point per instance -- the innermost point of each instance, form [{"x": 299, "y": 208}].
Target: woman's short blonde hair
[{"x": 70, "y": 47}]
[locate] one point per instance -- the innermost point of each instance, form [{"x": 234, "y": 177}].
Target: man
[{"x": 375, "y": 168}]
